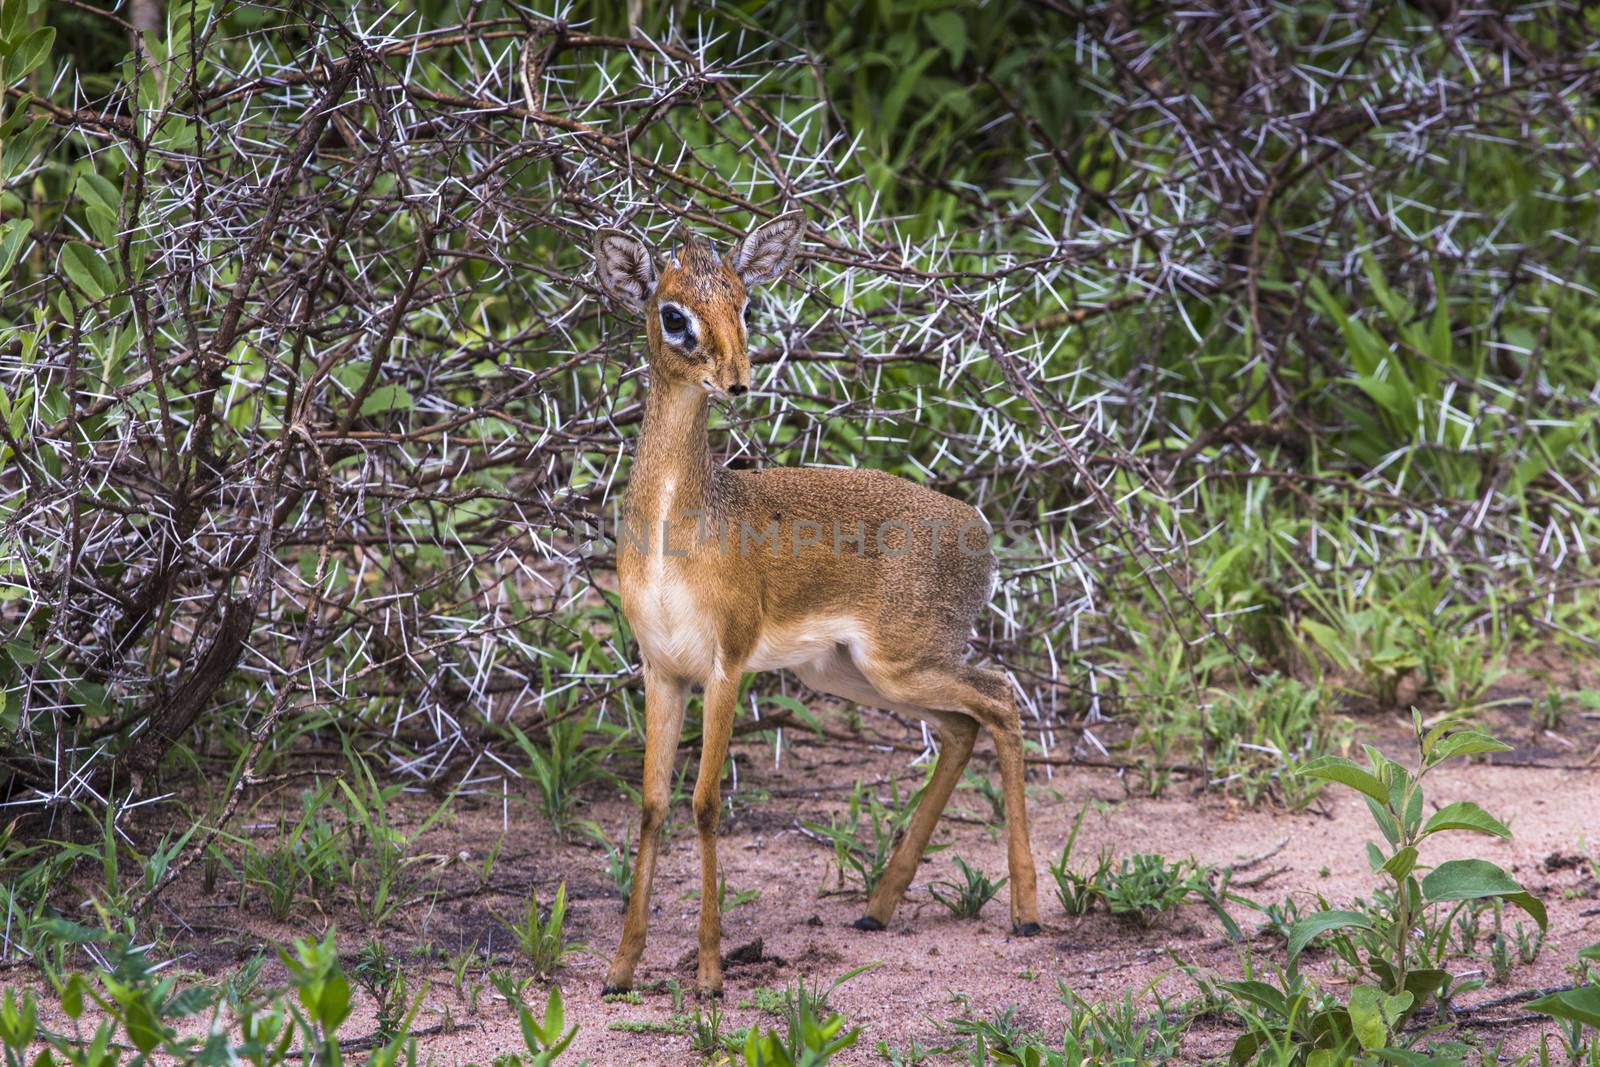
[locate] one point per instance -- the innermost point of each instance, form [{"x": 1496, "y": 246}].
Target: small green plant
[
  {"x": 381, "y": 974},
  {"x": 913, "y": 1054},
  {"x": 727, "y": 899},
  {"x": 985, "y": 786},
  {"x": 1404, "y": 934},
  {"x": 1077, "y": 892},
  {"x": 1124, "y": 1031},
  {"x": 1396, "y": 800},
  {"x": 543, "y": 941},
  {"x": 1467, "y": 926},
  {"x": 813, "y": 1038},
  {"x": 1459, "y": 668},
  {"x": 706, "y": 1037},
  {"x": 765, "y": 998},
  {"x": 1278, "y": 917},
  {"x": 544, "y": 1037},
  {"x": 864, "y": 839},
  {"x": 1374, "y": 642},
  {"x": 1577, "y": 1011},
  {"x": 1145, "y": 886},
  {"x": 813, "y": 1033},
  {"x": 678, "y": 1024},
  {"x": 967, "y": 897},
  {"x": 304, "y": 860},
  {"x": 378, "y": 867},
  {"x": 1258, "y": 735},
  {"x": 513, "y": 989},
  {"x": 135, "y": 1007},
  {"x": 564, "y": 765},
  {"x": 619, "y": 858}
]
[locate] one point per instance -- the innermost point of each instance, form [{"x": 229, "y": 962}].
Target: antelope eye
[{"x": 672, "y": 320}]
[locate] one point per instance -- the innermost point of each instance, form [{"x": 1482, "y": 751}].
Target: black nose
[{"x": 738, "y": 390}]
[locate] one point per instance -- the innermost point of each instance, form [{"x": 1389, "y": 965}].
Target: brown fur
[{"x": 877, "y": 621}]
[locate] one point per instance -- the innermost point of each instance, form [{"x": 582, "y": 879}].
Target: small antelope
[{"x": 864, "y": 585}]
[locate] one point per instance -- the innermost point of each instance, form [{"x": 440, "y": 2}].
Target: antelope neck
[{"x": 672, "y": 470}]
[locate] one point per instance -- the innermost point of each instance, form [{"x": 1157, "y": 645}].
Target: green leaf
[
  {"x": 99, "y": 191},
  {"x": 144, "y": 1029},
  {"x": 1267, "y": 997},
  {"x": 11, "y": 16},
  {"x": 1477, "y": 880},
  {"x": 88, "y": 270},
  {"x": 72, "y": 996},
  {"x": 949, "y": 28},
  {"x": 797, "y": 707},
  {"x": 1386, "y": 823},
  {"x": 387, "y": 398},
  {"x": 1344, "y": 771},
  {"x": 1548, "y": 447},
  {"x": 28, "y": 54},
  {"x": 1374, "y": 1015},
  {"x": 1401, "y": 863},
  {"x": 1413, "y": 809},
  {"x": 1464, "y": 815},
  {"x": 1573, "y": 1005},
  {"x": 1466, "y": 743},
  {"x": 532, "y": 1032},
  {"x": 14, "y": 235},
  {"x": 333, "y": 1007},
  {"x": 554, "y": 1014},
  {"x": 1301, "y": 934}
]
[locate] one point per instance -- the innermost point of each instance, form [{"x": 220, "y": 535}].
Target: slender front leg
[
  {"x": 722, "y": 695},
  {"x": 664, "y": 699}
]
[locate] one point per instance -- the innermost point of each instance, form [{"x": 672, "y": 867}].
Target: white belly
[{"x": 798, "y": 644}]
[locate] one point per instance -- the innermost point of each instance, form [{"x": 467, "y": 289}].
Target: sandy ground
[{"x": 929, "y": 968}]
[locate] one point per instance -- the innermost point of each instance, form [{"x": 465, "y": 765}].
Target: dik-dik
[{"x": 864, "y": 585}]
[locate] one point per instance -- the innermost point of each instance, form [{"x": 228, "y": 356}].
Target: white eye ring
[{"x": 683, "y": 335}]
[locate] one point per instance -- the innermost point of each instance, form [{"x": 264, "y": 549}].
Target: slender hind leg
[
  {"x": 956, "y": 736},
  {"x": 664, "y": 699},
  {"x": 953, "y": 685}
]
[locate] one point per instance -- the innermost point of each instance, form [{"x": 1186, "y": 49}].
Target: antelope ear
[
  {"x": 767, "y": 250},
  {"x": 625, "y": 267}
]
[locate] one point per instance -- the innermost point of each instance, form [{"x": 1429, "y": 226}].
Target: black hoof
[
  {"x": 1025, "y": 929},
  {"x": 608, "y": 990},
  {"x": 867, "y": 922},
  {"x": 714, "y": 994}
]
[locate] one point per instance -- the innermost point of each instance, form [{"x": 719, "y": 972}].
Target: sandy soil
[{"x": 929, "y": 968}]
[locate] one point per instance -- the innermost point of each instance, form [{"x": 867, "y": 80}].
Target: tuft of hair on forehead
[{"x": 697, "y": 255}]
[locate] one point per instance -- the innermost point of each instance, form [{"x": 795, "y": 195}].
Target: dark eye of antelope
[{"x": 675, "y": 325}]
